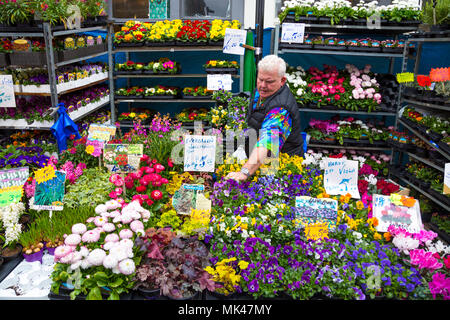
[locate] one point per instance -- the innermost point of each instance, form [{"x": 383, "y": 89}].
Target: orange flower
[
  {"x": 373, "y": 221},
  {"x": 408, "y": 201},
  {"x": 387, "y": 236},
  {"x": 346, "y": 198}
]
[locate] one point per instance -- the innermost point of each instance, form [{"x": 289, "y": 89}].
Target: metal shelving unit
[
  {"x": 426, "y": 194},
  {"x": 51, "y": 65},
  {"x": 427, "y": 141},
  {"x": 325, "y": 29}
]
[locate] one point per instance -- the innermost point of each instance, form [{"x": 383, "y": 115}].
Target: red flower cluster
[
  {"x": 423, "y": 81},
  {"x": 194, "y": 30},
  {"x": 147, "y": 181},
  {"x": 386, "y": 188}
]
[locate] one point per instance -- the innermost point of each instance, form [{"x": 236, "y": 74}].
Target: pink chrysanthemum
[
  {"x": 90, "y": 236},
  {"x": 112, "y": 238},
  {"x": 125, "y": 234},
  {"x": 62, "y": 251},
  {"x": 100, "y": 221}
]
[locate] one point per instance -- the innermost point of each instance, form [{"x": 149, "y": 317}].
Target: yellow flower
[
  {"x": 90, "y": 149},
  {"x": 243, "y": 264}
]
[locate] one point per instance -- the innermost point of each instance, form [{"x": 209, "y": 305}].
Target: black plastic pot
[
  {"x": 366, "y": 49},
  {"x": 129, "y": 44},
  {"x": 151, "y": 294},
  {"x": 4, "y": 59},
  {"x": 285, "y": 45},
  {"x": 221, "y": 70}
]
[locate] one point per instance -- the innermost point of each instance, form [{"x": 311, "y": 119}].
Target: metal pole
[
  {"x": 51, "y": 67},
  {"x": 259, "y": 21}
]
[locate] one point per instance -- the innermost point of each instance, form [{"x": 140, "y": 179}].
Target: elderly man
[{"x": 273, "y": 112}]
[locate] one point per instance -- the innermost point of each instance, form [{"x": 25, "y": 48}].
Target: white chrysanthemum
[
  {"x": 109, "y": 227},
  {"x": 100, "y": 208},
  {"x": 62, "y": 251},
  {"x": 79, "y": 228},
  {"x": 126, "y": 243},
  {"x": 112, "y": 204},
  {"x": 72, "y": 239},
  {"x": 127, "y": 267},
  {"x": 85, "y": 264},
  {"x": 110, "y": 261},
  {"x": 96, "y": 257},
  {"x": 108, "y": 245},
  {"x": 114, "y": 214},
  {"x": 84, "y": 251},
  {"x": 120, "y": 252},
  {"x": 76, "y": 256}
]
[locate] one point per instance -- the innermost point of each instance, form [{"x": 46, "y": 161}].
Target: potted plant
[
  {"x": 436, "y": 17},
  {"x": 221, "y": 66},
  {"x": 198, "y": 92},
  {"x": 186, "y": 259},
  {"x": 10, "y": 215},
  {"x": 5, "y": 49}
]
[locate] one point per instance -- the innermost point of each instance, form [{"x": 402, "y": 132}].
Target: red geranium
[{"x": 423, "y": 81}]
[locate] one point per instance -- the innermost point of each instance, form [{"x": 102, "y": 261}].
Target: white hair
[{"x": 273, "y": 62}]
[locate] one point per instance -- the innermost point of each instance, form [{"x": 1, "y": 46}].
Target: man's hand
[{"x": 238, "y": 176}]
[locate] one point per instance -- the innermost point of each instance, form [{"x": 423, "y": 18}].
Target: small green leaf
[{"x": 94, "y": 294}]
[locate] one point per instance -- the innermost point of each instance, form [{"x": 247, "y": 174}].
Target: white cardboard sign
[
  {"x": 388, "y": 214},
  {"x": 199, "y": 153},
  {"x": 7, "y": 98},
  {"x": 341, "y": 177},
  {"x": 233, "y": 40},
  {"x": 219, "y": 82},
  {"x": 292, "y": 32}
]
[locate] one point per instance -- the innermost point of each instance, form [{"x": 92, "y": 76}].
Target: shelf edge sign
[
  {"x": 292, "y": 32},
  {"x": 7, "y": 97}
]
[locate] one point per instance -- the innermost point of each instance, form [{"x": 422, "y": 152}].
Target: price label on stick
[{"x": 292, "y": 32}]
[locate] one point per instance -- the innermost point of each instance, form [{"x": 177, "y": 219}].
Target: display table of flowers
[{"x": 122, "y": 236}]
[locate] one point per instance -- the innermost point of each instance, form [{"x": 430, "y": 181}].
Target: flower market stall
[{"x": 133, "y": 203}]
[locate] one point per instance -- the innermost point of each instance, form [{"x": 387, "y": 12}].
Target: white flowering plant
[
  {"x": 99, "y": 257},
  {"x": 9, "y": 221},
  {"x": 337, "y": 11}
]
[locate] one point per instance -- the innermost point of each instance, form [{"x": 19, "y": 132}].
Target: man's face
[{"x": 268, "y": 82}]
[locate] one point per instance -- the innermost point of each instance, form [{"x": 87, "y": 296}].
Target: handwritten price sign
[
  {"x": 219, "y": 82},
  {"x": 292, "y": 32},
  {"x": 316, "y": 231},
  {"x": 233, "y": 40}
]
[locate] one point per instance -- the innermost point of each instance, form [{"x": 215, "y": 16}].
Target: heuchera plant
[{"x": 173, "y": 264}]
